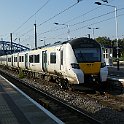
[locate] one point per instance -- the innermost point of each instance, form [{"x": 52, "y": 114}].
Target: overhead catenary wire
[
  {"x": 60, "y": 13},
  {"x": 57, "y": 14},
  {"x": 70, "y": 21},
  {"x": 63, "y": 12},
  {"x": 32, "y": 15},
  {"x": 96, "y": 17},
  {"x": 66, "y": 9},
  {"x": 77, "y": 17},
  {"x": 91, "y": 24},
  {"x": 85, "y": 25}
]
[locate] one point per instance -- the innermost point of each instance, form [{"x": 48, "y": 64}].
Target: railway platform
[
  {"x": 115, "y": 74},
  {"x": 17, "y": 108}
]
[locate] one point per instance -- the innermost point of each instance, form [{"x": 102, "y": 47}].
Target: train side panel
[
  {"x": 60, "y": 59},
  {"x": 55, "y": 60},
  {"x": 21, "y": 60},
  {"x": 34, "y": 60},
  {"x": 15, "y": 60},
  {"x": 3, "y": 60},
  {"x": 75, "y": 75},
  {"x": 9, "y": 60}
]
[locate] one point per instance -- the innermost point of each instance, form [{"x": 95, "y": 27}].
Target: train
[{"x": 72, "y": 62}]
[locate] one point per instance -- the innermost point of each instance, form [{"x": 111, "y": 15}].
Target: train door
[
  {"x": 7, "y": 60},
  {"x": 44, "y": 60},
  {"x": 26, "y": 60},
  {"x": 63, "y": 66},
  {"x": 61, "y": 59},
  {"x": 12, "y": 60},
  {"x": 18, "y": 60}
]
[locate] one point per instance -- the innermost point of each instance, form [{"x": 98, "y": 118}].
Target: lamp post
[
  {"x": 116, "y": 25},
  {"x": 93, "y": 31},
  {"x": 67, "y": 31},
  {"x": 43, "y": 41},
  {"x": 35, "y": 35},
  {"x": 29, "y": 46}
]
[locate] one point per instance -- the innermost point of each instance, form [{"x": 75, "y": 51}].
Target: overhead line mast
[{"x": 35, "y": 35}]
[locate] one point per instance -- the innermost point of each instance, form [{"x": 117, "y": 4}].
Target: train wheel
[{"x": 64, "y": 84}]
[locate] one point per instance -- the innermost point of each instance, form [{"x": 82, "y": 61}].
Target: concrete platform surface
[
  {"x": 116, "y": 74},
  {"x": 17, "y": 108}
]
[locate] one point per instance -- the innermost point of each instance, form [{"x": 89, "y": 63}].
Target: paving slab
[{"x": 18, "y": 108}]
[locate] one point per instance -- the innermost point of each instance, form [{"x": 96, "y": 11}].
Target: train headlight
[
  {"x": 75, "y": 65},
  {"x": 103, "y": 64}
]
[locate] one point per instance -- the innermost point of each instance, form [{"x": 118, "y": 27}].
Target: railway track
[{"x": 65, "y": 112}]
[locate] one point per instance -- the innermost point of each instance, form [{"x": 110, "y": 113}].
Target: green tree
[{"x": 104, "y": 41}]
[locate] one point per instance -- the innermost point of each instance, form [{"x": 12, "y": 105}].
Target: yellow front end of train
[
  {"x": 90, "y": 68},
  {"x": 89, "y": 58}
]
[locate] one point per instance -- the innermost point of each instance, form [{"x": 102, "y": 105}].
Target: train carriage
[
  {"x": 3, "y": 60},
  {"x": 15, "y": 60},
  {"x": 34, "y": 60},
  {"x": 89, "y": 56},
  {"x": 79, "y": 60},
  {"x": 9, "y": 59},
  {"x": 22, "y": 60}
]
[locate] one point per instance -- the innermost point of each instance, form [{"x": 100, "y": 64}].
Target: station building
[{"x": 108, "y": 55}]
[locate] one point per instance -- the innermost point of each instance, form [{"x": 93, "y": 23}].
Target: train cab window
[
  {"x": 53, "y": 57},
  {"x": 36, "y": 58},
  {"x": 87, "y": 54},
  {"x": 31, "y": 58}
]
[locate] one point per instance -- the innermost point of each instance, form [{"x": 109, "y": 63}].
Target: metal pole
[
  {"x": 88, "y": 35},
  {"x": 93, "y": 33},
  {"x": 98, "y": 3},
  {"x": 117, "y": 38},
  {"x": 68, "y": 38},
  {"x": 35, "y": 36},
  {"x": 11, "y": 43},
  {"x": 68, "y": 32}
]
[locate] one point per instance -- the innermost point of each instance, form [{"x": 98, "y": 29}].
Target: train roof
[
  {"x": 84, "y": 42},
  {"x": 72, "y": 42},
  {"x": 78, "y": 42}
]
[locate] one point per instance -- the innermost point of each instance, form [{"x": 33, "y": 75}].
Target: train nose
[{"x": 90, "y": 68}]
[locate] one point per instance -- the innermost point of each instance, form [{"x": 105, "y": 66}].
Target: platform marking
[{"x": 37, "y": 104}]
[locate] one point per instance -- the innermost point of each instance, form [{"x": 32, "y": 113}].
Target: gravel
[
  {"x": 104, "y": 114},
  {"x": 96, "y": 109}
]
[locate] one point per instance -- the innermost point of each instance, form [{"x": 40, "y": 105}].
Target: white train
[{"x": 78, "y": 61}]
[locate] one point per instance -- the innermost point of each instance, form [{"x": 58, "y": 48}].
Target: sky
[{"x": 19, "y": 16}]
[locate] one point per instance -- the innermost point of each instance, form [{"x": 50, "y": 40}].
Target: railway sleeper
[
  {"x": 44, "y": 103},
  {"x": 59, "y": 79}
]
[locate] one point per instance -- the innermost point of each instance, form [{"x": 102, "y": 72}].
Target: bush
[{"x": 21, "y": 74}]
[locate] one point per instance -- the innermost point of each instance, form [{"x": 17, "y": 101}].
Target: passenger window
[
  {"x": 53, "y": 57},
  {"x": 15, "y": 59},
  {"x": 31, "y": 58},
  {"x": 19, "y": 58},
  {"x": 9, "y": 59},
  {"x": 22, "y": 58},
  {"x": 36, "y": 58}
]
